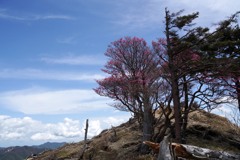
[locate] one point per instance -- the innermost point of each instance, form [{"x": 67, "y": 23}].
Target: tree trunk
[
  {"x": 177, "y": 111},
  {"x": 147, "y": 125},
  {"x": 173, "y": 79},
  {"x": 186, "y": 110},
  {"x": 238, "y": 92}
]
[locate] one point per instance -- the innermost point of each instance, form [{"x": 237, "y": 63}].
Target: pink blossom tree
[{"x": 133, "y": 80}]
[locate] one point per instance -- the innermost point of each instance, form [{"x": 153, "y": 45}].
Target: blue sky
[{"x": 51, "y": 52}]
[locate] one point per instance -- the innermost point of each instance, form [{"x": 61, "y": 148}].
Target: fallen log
[
  {"x": 210, "y": 154},
  {"x": 170, "y": 151}
]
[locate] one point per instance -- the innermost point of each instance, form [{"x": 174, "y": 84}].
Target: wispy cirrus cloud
[
  {"x": 150, "y": 13},
  {"x": 39, "y": 74},
  {"x": 33, "y": 17},
  {"x": 217, "y": 6},
  {"x": 45, "y": 101},
  {"x": 210, "y": 11},
  {"x": 67, "y": 40},
  {"x": 75, "y": 60},
  {"x": 45, "y": 17},
  {"x": 146, "y": 14}
]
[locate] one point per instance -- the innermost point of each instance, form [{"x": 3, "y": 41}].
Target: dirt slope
[{"x": 123, "y": 142}]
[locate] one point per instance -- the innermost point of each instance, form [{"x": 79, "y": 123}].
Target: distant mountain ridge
[
  {"x": 50, "y": 145},
  {"x": 22, "y": 152}
]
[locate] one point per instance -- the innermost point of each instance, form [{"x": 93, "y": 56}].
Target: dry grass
[
  {"x": 212, "y": 131},
  {"x": 204, "y": 130}
]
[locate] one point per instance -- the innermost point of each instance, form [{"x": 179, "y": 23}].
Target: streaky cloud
[
  {"x": 33, "y": 17},
  {"x": 68, "y": 40},
  {"x": 150, "y": 13},
  {"x": 64, "y": 17},
  {"x": 145, "y": 15},
  {"x": 75, "y": 60},
  {"x": 51, "y": 102},
  {"x": 39, "y": 74}
]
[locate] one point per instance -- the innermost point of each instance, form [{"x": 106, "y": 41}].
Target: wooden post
[
  {"x": 85, "y": 142},
  {"x": 86, "y": 131}
]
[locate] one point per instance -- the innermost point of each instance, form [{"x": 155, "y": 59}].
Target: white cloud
[
  {"x": 93, "y": 129},
  {"x": 68, "y": 129},
  {"x": 44, "y": 137},
  {"x": 75, "y": 60},
  {"x": 31, "y": 73},
  {"x": 16, "y": 128},
  {"x": 41, "y": 101},
  {"x": 27, "y": 128},
  {"x": 29, "y": 131},
  {"x": 114, "y": 121},
  {"x": 229, "y": 110}
]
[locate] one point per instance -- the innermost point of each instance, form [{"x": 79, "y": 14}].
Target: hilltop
[
  {"x": 21, "y": 152},
  {"x": 123, "y": 142}
]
